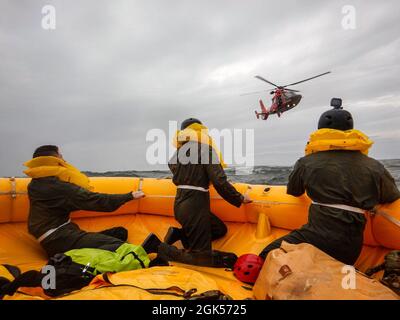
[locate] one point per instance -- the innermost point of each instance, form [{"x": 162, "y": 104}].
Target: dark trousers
[
  {"x": 71, "y": 237},
  {"x": 342, "y": 238},
  {"x": 212, "y": 258},
  {"x": 199, "y": 226}
]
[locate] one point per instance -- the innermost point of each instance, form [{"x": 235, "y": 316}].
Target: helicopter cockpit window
[{"x": 289, "y": 94}]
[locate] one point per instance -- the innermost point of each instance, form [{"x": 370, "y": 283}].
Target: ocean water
[{"x": 271, "y": 175}]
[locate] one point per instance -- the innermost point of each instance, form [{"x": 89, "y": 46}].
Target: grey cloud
[{"x": 111, "y": 71}]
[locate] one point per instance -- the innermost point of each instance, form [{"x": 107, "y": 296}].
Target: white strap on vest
[
  {"x": 341, "y": 206},
  {"x": 362, "y": 211},
  {"x": 49, "y": 232},
  {"x": 192, "y": 188},
  {"x": 389, "y": 217}
]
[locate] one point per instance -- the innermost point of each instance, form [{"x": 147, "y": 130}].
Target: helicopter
[{"x": 283, "y": 100}]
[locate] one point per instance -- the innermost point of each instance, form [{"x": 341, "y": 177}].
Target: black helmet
[
  {"x": 337, "y": 118},
  {"x": 186, "y": 123}
]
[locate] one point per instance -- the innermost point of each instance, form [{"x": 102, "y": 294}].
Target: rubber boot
[
  {"x": 151, "y": 243},
  {"x": 224, "y": 259},
  {"x": 198, "y": 258},
  {"x": 158, "y": 262},
  {"x": 173, "y": 235}
]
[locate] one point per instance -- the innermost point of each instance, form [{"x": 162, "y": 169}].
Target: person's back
[
  {"x": 53, "y": 200},
  {"x": 342, "y": 182},
  {"x": 342, "y": 176},
  {"x": 56, "y": 190},
  {"x": 206, "y": 171},
  {"x": 48, "y": 205},
  {"x": 190, "y": 173}
]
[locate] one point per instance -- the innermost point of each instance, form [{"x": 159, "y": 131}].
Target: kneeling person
[
  {"x": 196, "y": 164},
  {"x": 57, "y": 189},
  {"x": 343, "y": 183}
]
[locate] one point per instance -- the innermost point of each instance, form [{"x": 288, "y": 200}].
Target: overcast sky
[{"x": 113, "y": 70}]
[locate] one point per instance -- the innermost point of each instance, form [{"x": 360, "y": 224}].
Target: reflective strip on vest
[
  {"x": 362, "y": 211},
  {"x": 341, "y": 206},
  {"x": 192, "y": 188},
  {"x": 49, "y": 232}
]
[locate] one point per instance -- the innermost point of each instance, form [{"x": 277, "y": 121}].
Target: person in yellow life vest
[
  {"x": 196, "y": 164},
  {"x": 56, "y": 189},
  {"x": 342, "y": 182}
]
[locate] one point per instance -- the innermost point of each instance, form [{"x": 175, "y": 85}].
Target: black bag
[
  {"x": 8, "y": 274},
  {"x": 70, "y": 276}
]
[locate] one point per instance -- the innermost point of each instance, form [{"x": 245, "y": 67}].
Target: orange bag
[{"x": 303, "y": 272}]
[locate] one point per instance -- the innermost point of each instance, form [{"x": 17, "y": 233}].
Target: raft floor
[{"x": 19, "y": 248}]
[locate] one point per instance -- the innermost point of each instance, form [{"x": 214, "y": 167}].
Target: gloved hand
[
  {"x": 246, "y": 199},
  {"x": 138, "y": 194}
]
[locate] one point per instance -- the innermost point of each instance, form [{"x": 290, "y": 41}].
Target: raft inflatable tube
[{"x": 251, "y": 227}]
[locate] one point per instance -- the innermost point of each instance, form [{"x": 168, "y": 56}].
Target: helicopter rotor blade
[
  {"x": 320, "y": 75},
  {"x": 249, "y": 93},
  {"x": 291, "y": 90},
  {"x": 262, "y": 79},
  {"x": 255, "y": 92}
]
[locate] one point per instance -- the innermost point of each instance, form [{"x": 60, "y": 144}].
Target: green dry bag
[{"x": 126, "y": 257}]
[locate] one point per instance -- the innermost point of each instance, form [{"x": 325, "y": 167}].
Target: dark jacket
[
  {"x": 52, "y": 201},
  {"x": 204, "y": 168},
  {"x": 343, "y": 177},
  {"x": 337, "y": 177}
]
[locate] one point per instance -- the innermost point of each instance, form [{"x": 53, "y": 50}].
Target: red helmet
[{"x": 248, "y": 267}]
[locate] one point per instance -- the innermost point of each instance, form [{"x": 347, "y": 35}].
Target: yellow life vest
[
  {"x": 199, "y": 133},
  {"x": 48, "y": 166},
  {"x": 331, "y": 139}
]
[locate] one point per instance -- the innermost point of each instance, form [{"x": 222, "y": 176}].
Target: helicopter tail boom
[
  {"x": 263, "y": 108},
  {"x": 264, "y": 112}
]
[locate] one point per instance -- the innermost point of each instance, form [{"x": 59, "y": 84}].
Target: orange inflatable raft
[{"x": 251, "y": 227}]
